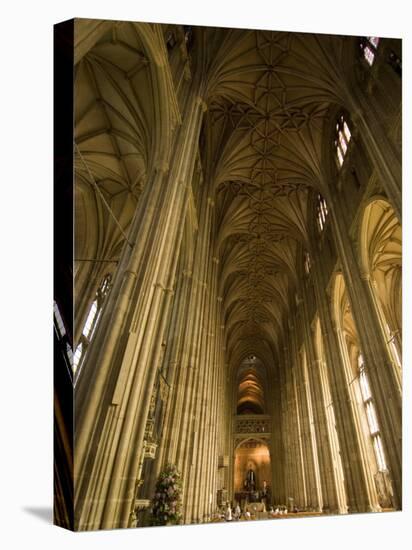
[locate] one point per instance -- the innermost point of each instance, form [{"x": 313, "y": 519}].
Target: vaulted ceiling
[
  {"x": 114, "y": 117},
  {"x": 269, "y": 94}
]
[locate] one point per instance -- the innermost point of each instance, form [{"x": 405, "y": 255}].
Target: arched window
[
  {"x": 91, "y": 322},
  {"x": 371, "y": 415},
  {"x": 321, "y": 212},
  {"x": 342, "y": 138},
  {"x": 369, "y": 46},
  {"x": 58, "y": 322},
  {"x": 62, "y": 336}
]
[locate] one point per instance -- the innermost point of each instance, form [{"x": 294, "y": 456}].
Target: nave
[{"x": 237, "y": 275}]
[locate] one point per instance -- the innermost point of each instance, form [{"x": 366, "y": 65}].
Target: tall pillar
[
  {"x": 296, "y": 483},
  {"x": 329, "y": 482},
  {"x": 382, "y": 376},
  {"x": 113, "y": 408},
  {"x": 206, "y": 397},
  {"x": 277, "y": 445},
  {"x": 359, "y": 488},
  {"x": 381, "y": 150},
  {"x": 309, "y": 462}
]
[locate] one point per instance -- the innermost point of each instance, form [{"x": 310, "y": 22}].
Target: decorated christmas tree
[{"x": 167, "y": 501}]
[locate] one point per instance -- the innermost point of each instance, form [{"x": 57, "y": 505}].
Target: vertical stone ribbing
[
  {"x": 326, "y": 468},
  {"x": 358, "y": 492},
  {"x": 128, "y": 389},
  {"x": 382, "y": 376}
]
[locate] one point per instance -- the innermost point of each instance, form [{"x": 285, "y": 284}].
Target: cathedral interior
[{"x": 237, "y": 273}]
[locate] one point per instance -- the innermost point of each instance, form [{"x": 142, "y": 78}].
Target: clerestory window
[
  {"x": 369, "y": 46},
  {"x": 91, "y": 322},
  {"x": 62, "y": 336},
  {"x": 371, "y": 415},
  {"x": 342, "y": 138},
  {"x": 321, "y": 212}
]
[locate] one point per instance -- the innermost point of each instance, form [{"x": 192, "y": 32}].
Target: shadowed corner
[{"x": 45, "y": 513}]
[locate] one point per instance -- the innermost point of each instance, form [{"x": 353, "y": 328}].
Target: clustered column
[
  {"x": 124, "y": 350},
  {"x": 381, "y": 374}
]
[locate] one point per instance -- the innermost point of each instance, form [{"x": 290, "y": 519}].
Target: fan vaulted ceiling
[{"x": 269, "y": 95}]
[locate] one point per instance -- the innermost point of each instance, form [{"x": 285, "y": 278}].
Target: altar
[
  {"x": 257, "y": 510},
  {"x": 246, "y": 497},
  {"x": 255, "y": 507}
]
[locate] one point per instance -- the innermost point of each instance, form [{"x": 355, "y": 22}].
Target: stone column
[
  {"x": 213, "y": 418},
  {"x": 381, "y": 374},
  {"x": 358, "y": 484},
  {"x": 277, "y": 446},
  {"x": 201, "y": 486},
  {"x": 197, "y": 347},
  {"x": 386, "y": 160},
  {"x": 324, "y": 451},
  {"x": 181, "y": 431},
  {"x": 115, "y": 398},
  {"x": 172, "y": 364},
  {"x": 309, "y": 462},
  {"x": 296, "y": 488}
]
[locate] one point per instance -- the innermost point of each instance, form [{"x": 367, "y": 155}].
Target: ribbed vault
[
  {"x": 116, "y": 121},
  {"x": 269, "y": 95}
]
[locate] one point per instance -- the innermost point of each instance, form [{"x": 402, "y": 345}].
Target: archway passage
[{"x": 252, "y": 455}]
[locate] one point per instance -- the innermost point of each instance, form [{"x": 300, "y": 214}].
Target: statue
[
  {"x": 250, "y": 482},
  {"x": 264, "y": 493}
]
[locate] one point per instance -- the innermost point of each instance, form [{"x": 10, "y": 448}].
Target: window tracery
[
  {"x": 342, "y": 138},
  {"x": 321, "y": 212},
  {"x": 62, "y": 335},
  {"x": 369, "y": 46},
  {"x": 371, "y": 415},
  {"x": 92, "y": 320}
]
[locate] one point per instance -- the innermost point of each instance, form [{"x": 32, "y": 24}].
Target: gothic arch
[
  {"x": 351, "y": 353},
  {"x": 122, "y": 133},
  {"x": 380, "y": 237}
]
